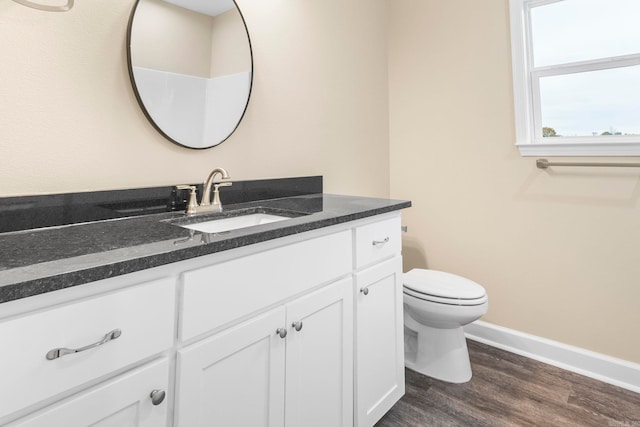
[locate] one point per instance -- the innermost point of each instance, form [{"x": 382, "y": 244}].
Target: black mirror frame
[{"x": 141, "y": 103}]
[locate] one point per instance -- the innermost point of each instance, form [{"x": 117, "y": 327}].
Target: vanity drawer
[
  {"x": 216, "y": 295},
  {"x": 377, "y": 241},
  {"x": 122, "y": 401},
  {"x": 144, "y": 314}
]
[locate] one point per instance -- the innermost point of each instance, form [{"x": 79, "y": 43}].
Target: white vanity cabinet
[
  {"x": 291, "y": 366},
  {"x": 295, "y": 351},
  {"x": 299, "y": 331},
  {"x": 379, "y": 320}
]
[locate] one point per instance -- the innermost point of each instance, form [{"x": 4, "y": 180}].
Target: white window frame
[{"x": 526, "y": 94}]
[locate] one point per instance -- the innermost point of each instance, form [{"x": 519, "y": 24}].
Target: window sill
[{"x": 572, "y": 149}]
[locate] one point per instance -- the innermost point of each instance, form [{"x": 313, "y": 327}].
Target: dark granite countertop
[{"x": 37, "y": 261}]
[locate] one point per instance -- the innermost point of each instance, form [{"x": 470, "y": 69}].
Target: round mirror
[{"x": 191, "y": 68}]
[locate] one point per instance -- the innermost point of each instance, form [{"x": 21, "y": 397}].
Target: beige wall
[
  {"x": 69, "y": 120},
  {"x": 230, "y": 51},
  {"x": 558, "y": 251},
  {"x": 170, "y": 38}
]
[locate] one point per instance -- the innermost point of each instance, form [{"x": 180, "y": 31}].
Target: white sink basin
[{"x": 234, "y": 223}]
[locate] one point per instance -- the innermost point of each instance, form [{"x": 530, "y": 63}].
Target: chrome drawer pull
[
  {"x": 297, "y": 325},
  {"x": 365, "y": 291},
  {"x": 380, "y": 242},
  {"x": 281, "y": 332},
  {"x": 59, "y": 352}
]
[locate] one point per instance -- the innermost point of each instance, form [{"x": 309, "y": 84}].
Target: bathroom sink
[
  {"x": 235, "y": 219},
  {"x": 233, "y": 223}
]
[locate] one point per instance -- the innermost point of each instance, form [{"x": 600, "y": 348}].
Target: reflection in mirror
[{"x": 191, "y": 68}]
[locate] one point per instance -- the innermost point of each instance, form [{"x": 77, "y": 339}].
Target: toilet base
[{"x": 438, "y": 353}]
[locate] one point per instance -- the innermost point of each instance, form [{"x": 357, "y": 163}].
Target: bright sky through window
[
  {"x": 580, "y": 30},
  {"x": 595, "y": 102},
  {"x": 592, "y": 103}
]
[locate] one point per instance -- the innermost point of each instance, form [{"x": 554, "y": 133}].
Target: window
[{"x": 576, "y": 72}]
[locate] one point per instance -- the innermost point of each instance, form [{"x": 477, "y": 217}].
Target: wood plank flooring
[{"x": 511, "y": 390}]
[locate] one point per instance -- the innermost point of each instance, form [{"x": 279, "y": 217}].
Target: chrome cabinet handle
[
  {"x": 282, "y": 332},
  {"x": 297, "y": 325},
  {"x": 380, "y": 242},
  {"x": 59, "y": 352},
  {"x": 157, "y": 396},
  {"x": 365, "y": 291}
]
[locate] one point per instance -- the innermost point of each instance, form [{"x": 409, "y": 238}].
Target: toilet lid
[
  {"x": 448, "y": 301},
  {"x": 443, "y": 285}
]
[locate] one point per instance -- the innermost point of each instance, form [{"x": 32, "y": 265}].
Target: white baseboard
[{"x": 601, "y": 367}]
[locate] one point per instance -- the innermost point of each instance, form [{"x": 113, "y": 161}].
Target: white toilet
[{"x": 436, "y": 307}]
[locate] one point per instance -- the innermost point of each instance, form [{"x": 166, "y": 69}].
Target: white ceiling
[{"x": 208, "y": 7}]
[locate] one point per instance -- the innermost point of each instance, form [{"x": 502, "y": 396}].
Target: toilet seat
[
  {"x": 444, "y": 288},
  {"x": 448, "y": 301}
]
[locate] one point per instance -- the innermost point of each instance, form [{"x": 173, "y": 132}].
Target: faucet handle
[
  {"x": 192, "y": 203},
  {"x": 216, "y": 193},
  {"x": 222, "y": 184}
]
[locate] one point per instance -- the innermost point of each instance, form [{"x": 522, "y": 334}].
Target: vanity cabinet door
[
  {"x": 235, "y": 378},
  {"x": 124, "y": 401},
  {"x": 298, "y": 356},
  {"x": 319, "y": 372},
  {"x": 380, "y": 341}
]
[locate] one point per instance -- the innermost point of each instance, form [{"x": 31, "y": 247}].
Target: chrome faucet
[
  {"x": 206, "y": 194},
  {"x": 205, "y": 204}
]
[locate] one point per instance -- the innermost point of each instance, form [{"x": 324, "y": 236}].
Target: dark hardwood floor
[{"x": 511, "y": 390}]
